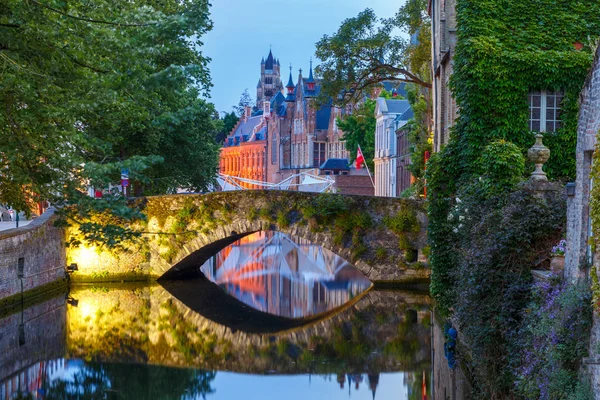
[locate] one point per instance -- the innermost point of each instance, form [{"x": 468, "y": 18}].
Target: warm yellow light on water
[{"x": 85, "y": 310}]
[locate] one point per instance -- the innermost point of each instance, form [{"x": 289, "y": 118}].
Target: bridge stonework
[{"x": 182, "y": 231}]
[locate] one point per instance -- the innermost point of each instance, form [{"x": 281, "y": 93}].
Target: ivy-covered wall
[
  {"x": 505, "y": 49},
  {"x": 480, "y": 263}
]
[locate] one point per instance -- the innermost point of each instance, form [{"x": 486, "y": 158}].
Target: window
[
  {"x": 268, "y": 80},
  {"x": 305, "y": 152},
  {"x": 274, "y": 149},
  {"x": 268, "y": 93},
  {"x": 544, "y": 110},
  {"x": 343, "y": 152},
  {"x": 298, "y": 126},
  {"x": 319, "y": 155}
]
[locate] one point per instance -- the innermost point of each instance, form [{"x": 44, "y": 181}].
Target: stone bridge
[{"x": 385, "y": 238}]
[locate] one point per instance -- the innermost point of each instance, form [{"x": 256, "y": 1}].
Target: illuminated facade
[{"x": 288, "y": 135}]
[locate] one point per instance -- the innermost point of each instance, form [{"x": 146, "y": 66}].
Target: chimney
[
  {"x": 266, "y": 109},
  {"x": 247, "y": 112}
]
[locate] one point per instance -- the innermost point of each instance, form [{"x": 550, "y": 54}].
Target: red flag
[{"x": 360, "y": 159}]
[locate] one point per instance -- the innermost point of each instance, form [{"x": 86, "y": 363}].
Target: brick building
[
  {"x": 443, "y": 42},
  {"x": 243, "y": 153},
  {"x": 290, "y": 134}
]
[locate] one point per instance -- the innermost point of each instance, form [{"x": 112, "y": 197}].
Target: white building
[{"x": 390, "y": 115}]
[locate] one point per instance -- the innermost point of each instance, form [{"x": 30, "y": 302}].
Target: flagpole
[
  {"x": 370, "y": 176},
  {"x": 366, "y": 166}
]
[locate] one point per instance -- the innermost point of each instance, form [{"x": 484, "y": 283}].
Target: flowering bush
[
  {"x": 553, "y": 340},
  {"x": 560, "y": 249}
]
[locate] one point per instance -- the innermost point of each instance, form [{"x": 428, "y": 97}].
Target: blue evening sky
[{"x": 244, "y": 29}]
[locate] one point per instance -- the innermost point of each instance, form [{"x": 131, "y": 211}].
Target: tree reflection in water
[{"x": 95, "y": 381}]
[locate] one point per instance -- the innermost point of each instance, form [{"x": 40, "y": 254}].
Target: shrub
[
  {"x": 553, "y": 341},
  {"x": 502, "y": 166},
  {"x": 283, "y": 219},
  {"x": 497, "y": 242}
]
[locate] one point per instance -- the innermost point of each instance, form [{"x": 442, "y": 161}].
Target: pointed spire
[
  {"x": 291, "y": 80},
  {"x": 263, "y": 60},
  {"x": 290, "y": 88},
  {"x": 310, "y": 76},
  {"x": 269, "y": 63}
]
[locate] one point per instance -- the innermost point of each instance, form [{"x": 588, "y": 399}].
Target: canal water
[{"x": 275, "y": 317}]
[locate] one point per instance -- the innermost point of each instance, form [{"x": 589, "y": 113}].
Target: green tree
[
  {"x": 359, "y": 128},
  {"x": 366, "y": 51},
  {"x": 229, "y": 122},
  {"x": 245, "y": 101},
  {"x": 86, "y": 91}
]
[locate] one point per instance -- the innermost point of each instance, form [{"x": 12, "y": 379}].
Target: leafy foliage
[
  {"x": 86, "y": 91},
  {"x": 358, "y": 129},
  {"x": 245, "y": 101},
  {"x": 365, "y": 51},
  {"x": 496, "y": 241},
  {"x": 502, "y": 166},
  {"x": 504, "y": 50}
]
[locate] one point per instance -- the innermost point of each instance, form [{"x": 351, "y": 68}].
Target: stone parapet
[{"x": 31, "y": 256}]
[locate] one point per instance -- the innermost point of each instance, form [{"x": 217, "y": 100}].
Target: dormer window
[{"x": 545, "y": 110}]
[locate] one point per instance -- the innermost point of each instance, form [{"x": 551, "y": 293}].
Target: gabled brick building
[{"x": 290, "y": 134}]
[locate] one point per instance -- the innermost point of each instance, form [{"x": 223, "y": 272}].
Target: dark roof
[
  {"x": 310, "y": 76},
  {"x": 323, "y": 116},
  {"x": 269, "y": 63},
  {"x": 277, "y": 100},
  {"x": 259, "y": 84},
  {"x": 290, "y": 83},
  {"x": 408, "y": 114},
  {"x": 278, "y": 104},
  {"x": 336, "y": 164}
]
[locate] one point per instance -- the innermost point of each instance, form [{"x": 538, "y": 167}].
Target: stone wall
[
  {"x": 228, "y": 215},
  {"x": 34, "y": 335},
  {"x": 577, "y": 258},
  {"x": 30, "y": 257},
  {"x": 578, "y": 206}
]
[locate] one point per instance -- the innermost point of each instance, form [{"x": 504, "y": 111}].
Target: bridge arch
[
  {"x": 384, "y": 238},
  {"x": 237, "y": 214}
]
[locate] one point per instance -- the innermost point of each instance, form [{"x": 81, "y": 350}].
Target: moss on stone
[{"x": 33, "y": 296}]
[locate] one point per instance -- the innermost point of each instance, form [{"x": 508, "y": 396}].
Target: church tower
[{"x": 270, "y": 80}]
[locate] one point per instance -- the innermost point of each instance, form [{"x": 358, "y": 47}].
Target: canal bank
[{"x": 32, "y": 261}]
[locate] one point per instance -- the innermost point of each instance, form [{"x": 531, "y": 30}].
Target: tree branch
[
  {"x": 95, "y": 21},
  {"x": 11, "y": 25}
]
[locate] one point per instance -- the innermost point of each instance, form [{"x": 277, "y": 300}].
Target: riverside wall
[{"x": 32, "y": 259}]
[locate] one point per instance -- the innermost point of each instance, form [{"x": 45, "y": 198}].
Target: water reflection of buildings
[
  {"x": 31, "y": 382},
  {"x": 283, "y": 275}
]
